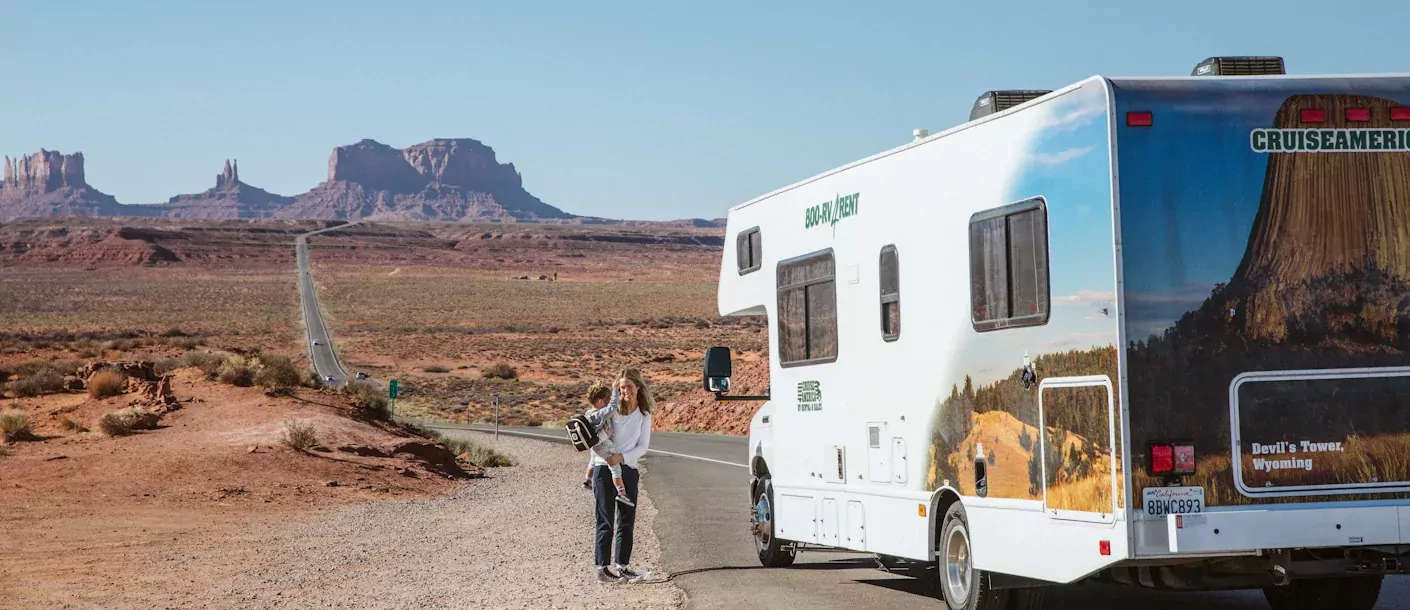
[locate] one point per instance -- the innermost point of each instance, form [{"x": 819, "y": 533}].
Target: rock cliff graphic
[{"x": 1324, "y": 283}]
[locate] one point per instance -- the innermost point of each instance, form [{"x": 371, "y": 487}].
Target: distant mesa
[
  {"x": 228, "y": 199},
  {"x": 50, "y": 183}
]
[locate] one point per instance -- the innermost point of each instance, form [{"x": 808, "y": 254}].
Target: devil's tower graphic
[{"x": 1324, "y": 286}]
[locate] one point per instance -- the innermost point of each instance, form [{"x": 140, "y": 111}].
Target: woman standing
[{"x": 631, "y": 434}]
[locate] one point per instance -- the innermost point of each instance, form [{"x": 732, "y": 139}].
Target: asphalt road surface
[
  {"x": 699, "y": 484},
  {"x": 320, "y": 342}
]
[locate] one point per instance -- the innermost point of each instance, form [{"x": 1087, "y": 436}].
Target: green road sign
[{"x": 393, "y": 389}]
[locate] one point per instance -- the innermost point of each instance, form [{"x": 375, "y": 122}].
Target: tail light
[
  {"x": 1176, "y": 458},
  {"x": 1313, "y": 115},
  {"x": 1358, "y": 115},
  {"x": 1401, "y": 113},
  {"x": 1140, "y": 119}
]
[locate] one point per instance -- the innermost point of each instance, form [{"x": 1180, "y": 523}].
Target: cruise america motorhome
[{"x": 1153, "y": 331}]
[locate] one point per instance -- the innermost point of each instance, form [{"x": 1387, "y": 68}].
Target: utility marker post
[
  {"x": 392, "y": 390},
  {"x": 496, "y": 417}
]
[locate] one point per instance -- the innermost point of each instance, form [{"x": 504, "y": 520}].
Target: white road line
[{"x": 559, "y": 438}]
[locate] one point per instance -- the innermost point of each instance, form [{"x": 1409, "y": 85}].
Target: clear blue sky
[{"x": 631, "y": 110}]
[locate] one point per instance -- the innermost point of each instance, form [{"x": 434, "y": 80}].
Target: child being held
[{"x": 604, "y": 404}]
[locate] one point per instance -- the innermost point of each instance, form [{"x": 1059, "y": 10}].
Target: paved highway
[
  {"x": 699, "y": 484},
  {"x": 320, "y": 342}
]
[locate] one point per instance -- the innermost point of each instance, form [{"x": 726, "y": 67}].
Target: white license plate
[{"x": 1161, "y": 501}]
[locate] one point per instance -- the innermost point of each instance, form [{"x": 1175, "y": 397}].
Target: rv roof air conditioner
[
  {"x": 1240, "y": 66},
  {"x": 999, "y": 101}
]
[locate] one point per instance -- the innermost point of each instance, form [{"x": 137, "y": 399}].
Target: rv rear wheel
[
  {"x": 772, "y": 552},
  {"x": 1348, "y": 592},
  {"x": 962, "y": 586}
]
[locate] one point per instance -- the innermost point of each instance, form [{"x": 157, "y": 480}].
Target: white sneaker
[
  {"x": 631, "y": 575},
  {"x": 625, "y": 500}
]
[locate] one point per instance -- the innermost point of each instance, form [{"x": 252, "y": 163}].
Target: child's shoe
[{"x": 622, "y": 497}]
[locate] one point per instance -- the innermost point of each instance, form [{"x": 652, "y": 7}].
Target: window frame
[
  {"x": 1041, "y": 318},
  {"x": 889, "y": 298},
  {"x": 807, "y": 327},
  {"x": 743, "y": 237}
]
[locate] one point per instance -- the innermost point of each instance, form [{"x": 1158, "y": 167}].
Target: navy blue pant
[{"x": 609, "y": 510}]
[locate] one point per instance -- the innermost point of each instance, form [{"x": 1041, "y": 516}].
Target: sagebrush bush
[
  {"x": 499, "y": 370},
  {"x": 435, "y": 368},
  {"x": 14, "y": 425},
  {"x": 124, "y": 421},
  {"x": 298, "y": 435},
  {"x": 309, "y": 378},
  {"x": 238, "y": 371},
  {"x": 277, "y": 374},
  {"x": 370, "y": 400},
  {"x": 46, "y": 381},
  {"x": 208, "y": 363},
  {"x": 69, "y": 424},
  {"x": 479, "y": 455},
  {"x": 106, "y": 383}
]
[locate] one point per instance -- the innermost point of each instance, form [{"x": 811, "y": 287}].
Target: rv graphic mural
[{"x": 1268, "y": 292}]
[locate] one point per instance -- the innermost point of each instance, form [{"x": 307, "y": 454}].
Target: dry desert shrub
[
  {"x": 309, "y": 378},
  {"x": 238, "y": 371},
  {"x": 69, "y": 424},
  {"x": 14, "y": 425},
  {"x": 435, "y": 368},
  {"x": 106, "y": 383},
  {"x": 499, "y": 370},
  {"x": 38, "y": 384},
  {"x": 298, "y": 435},
  {"x": 479, "y": 455},
  {"x": 5, "y": 375},
  {"x": 124, "y": 421},
  {"x": 370, "y": 400},
  {"x": 277, "y": 375},
  {"x": 208, "y": 363}
]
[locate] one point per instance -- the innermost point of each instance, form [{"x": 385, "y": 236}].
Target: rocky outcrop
[
  {"x": 449, "y": 179},
  {"x": 228, "y": 199},
  {"x": 50, "y": 183}
]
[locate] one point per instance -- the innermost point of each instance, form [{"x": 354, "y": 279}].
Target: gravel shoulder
[{"x": 519, "y": 539}]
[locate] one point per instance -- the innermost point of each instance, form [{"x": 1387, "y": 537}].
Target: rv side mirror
[{"x": 717, "y": 370}]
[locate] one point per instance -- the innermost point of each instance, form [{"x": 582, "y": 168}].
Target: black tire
[
  {"x": 772, "y": 552},
  {"x": 961, "y": 585},
  {"x": 1032, "y": 598},
  {"x": 1342, "y": 593}
]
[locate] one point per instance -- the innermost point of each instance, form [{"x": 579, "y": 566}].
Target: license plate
[{"x": 1161, "y": 501}]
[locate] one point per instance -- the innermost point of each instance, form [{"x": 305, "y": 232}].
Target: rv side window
[
  {"x": 890, "y": 295},
  {"x": 807, "y": 310},
  {"x": 749, "y": 251},
  {"x": 1008, "y": 266}
]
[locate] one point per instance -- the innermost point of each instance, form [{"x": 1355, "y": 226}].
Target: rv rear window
[
  {"x": 890, "y": 295},
  {"x": 807, "y": 310},
  {"x": 1008, "y": 266},
  {"x": 749, "y": 250}
]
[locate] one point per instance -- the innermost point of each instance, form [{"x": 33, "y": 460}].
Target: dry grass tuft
[
  {"x": 208, "y": 363},
  {"x": 299, "y": 436},
  {"x": 371, "y": 401},
  {"x": 479, "y": 455},
  {"x": 69, "y": 424},
  {"x": 106, "y": 383},
  {"x": 435, "y": 368},
  {"x": 238, "y": 371},
  {"x": 499, "y": 370},
  {"x": 124, "y": 421},
  {"x": 277, "y": 375},
  {"x": 14, "y": 425}
]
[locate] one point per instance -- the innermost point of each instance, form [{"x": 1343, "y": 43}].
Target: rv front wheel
[
  {"x": 1348, "y": 592},
  {"x": 963, "y": 586},
  {"x": 772, "y": 552}
]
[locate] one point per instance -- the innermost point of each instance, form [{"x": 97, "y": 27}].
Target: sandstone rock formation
[
  {"x": 228, "y": 199},
  {"x": 50, "y": 183},
  {"x": 451, "y": 179}
]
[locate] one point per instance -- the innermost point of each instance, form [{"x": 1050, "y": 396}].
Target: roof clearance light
[
  {"x": 1140, "y": 119},
  {"x": 1162, "y": 459},
  {"x": 1313, "y": 115},
  {"x": 1400, "y": 114},
  {"x": 1358, "y": 115}
]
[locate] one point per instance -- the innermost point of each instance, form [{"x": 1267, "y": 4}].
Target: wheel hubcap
[
  {"x": 957, "y": 568},
  {"x": 763, "y": 521}
]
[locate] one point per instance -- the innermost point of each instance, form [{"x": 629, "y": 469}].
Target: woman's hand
[{"x": 614, "y": 459}]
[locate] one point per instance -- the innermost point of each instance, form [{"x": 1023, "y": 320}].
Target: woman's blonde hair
[{"x": 643, "y": 400}]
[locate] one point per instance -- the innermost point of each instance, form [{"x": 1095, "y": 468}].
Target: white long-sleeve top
[{"x": 631, "y": 434}]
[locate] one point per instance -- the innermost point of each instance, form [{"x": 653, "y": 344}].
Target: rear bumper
[{"x": 1251, "y": 530}]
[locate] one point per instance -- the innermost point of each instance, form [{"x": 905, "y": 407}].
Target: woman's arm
[{"x": 643, "y": 442}]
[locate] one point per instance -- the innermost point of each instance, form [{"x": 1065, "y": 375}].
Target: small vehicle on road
[
  {"x": 316, "y": 342},
  {"x": 361, "y": 375},
  {"x": 329, "y": 378}
]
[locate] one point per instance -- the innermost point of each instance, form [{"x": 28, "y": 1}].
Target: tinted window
[
  {"x": 1008, "y": 262},
  {"x": 748, "y": 251},
  {"x": 807, "y": 310},
  {"x": 890, "y": 294}
]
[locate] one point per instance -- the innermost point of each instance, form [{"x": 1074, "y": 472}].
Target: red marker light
[
  {"x": 1358, "y": 115},
  {"x": 1140, "y": 119},
  {"x": 1184, "y": 459},
  {"x": 1162, "y": 459},
  {"x": 1400, "y": 114},
  {"x": 1104, "y": 547},
  {"x": 1313, "y": 115}
]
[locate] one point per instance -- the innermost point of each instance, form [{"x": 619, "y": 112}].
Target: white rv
[{"x": 1153, "y": 331}]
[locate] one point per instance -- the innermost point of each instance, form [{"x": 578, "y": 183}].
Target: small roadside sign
[{"x": 393, "y": 389}]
